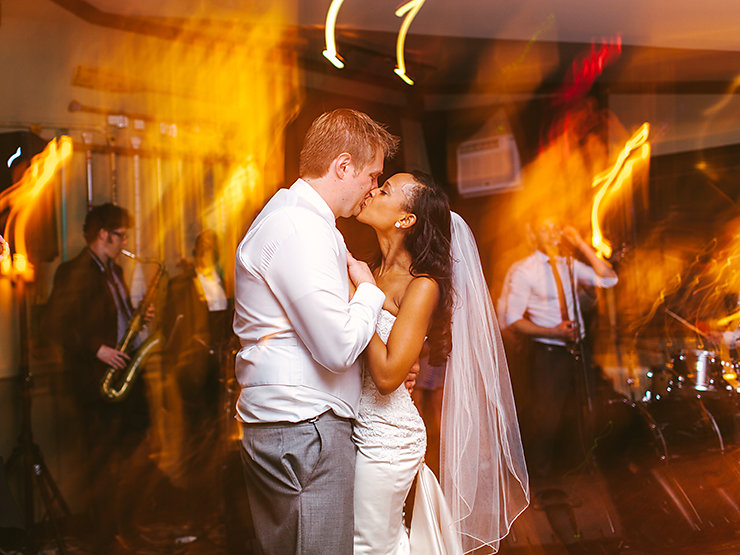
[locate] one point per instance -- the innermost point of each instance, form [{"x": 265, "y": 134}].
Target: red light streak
[{"x": 586, "y": 69}]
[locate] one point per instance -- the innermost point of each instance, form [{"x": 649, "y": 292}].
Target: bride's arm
[{"x": 389, "y": 364}]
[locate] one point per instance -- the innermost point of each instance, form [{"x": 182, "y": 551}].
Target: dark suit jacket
[{"x": 83, "y": 316}]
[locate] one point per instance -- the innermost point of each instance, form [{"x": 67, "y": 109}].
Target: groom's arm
[{"x": 305, "y": 277}]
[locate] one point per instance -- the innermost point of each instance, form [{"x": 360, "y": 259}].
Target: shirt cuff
[
  {"x": 369, "y": 294},
  {"x": 606, "y": 282}
]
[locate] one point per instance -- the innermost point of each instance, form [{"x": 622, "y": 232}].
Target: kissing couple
[{"x": 331, "y": 440}]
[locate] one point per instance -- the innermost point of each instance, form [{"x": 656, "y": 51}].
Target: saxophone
[{"x": 116, "y": 384}]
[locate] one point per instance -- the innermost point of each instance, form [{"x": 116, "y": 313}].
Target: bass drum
[
  {"x": 664, "y": 429},
  {"x": 681, "y": 426},
  {"x": 678, "y": 409}
]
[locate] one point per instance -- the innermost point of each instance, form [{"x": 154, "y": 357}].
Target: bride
[{"x": 434, "y": 286}]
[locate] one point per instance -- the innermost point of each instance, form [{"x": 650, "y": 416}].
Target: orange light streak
[
  {"x": 5, "y": 263},
  {"x": 21, "y": 199},
  {"x": 611, "y": 180},
  {"x": 409, "y": 9},
  {"x": 725, "y": 100}
]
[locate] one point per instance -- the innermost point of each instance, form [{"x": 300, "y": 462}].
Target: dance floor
[
  {"x": 580, "y": 514},
  {"x": 658, "y": 479}
]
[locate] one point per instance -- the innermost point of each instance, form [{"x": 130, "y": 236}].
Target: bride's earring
[{"x": 398, "y": 224}]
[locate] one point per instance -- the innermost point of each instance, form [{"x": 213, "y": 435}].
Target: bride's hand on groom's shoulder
[{"x": 358, "y": 271}]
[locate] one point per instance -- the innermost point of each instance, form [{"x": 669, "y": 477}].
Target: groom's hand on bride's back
[
  {"x": 412, "y": 375},
  {"x": 358, "y": 271}
]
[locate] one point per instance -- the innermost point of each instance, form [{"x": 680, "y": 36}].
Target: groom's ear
[{"x": 342, "y": 165}]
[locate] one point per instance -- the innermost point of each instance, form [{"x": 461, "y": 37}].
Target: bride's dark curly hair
[{"x": 428, "y": 242}]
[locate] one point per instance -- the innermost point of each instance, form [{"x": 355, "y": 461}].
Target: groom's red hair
[{"x": 339, "y": 131}]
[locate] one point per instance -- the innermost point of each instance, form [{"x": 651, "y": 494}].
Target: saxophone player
[{"x": 89, "y": 309}]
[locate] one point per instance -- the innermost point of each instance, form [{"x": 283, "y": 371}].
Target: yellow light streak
[
  {"x": 611, "y": 180},
  {"x": 729, "y": 319},
  {"x": 549, "y": 21},
  {"x": 330, "y": 53},
  {"x": 20, "y": 263},
  {"x": 409, "y": 9}
]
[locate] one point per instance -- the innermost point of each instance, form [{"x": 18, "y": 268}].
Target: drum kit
[
  {"x": 691, "y": 402},
  {"x": 692, "y": 372},
  {"x": 671, "y": 461}
]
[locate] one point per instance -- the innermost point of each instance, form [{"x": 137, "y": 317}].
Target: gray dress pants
[{"x": 300, "y": 479}]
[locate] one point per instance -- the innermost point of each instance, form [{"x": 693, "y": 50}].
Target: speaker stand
[{"x": 35, "y": 474}]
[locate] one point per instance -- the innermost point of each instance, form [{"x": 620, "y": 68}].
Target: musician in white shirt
[
  {"x": 301, "y": 335},
  {"x": 531, "y": 305}
]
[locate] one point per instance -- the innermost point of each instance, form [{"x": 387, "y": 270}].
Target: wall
[{"x": 681, "y": 122}]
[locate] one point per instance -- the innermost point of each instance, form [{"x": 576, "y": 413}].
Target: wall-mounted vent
[{"x": 486, "y": 166}]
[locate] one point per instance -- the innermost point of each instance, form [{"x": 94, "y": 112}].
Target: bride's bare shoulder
[{"x": 422, "y": 287}]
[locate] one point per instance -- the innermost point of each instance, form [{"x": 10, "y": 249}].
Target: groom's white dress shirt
[{"x": 300, "y": 334}]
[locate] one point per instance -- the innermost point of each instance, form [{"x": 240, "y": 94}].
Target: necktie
[
  {"x": 119, "y": 295},
  {"x": 561, "y": 291}
]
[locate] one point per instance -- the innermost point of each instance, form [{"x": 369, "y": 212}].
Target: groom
[{"x": 301, "y": 337}]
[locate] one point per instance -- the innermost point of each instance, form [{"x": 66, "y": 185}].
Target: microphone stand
[
  {"x": 579, "y": 352},
  {"x": 586, "y": 418}
]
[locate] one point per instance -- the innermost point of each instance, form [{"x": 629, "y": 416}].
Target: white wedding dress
[
  {"x": 482, "y": 466},
  {"x": 391, "y": 440}
]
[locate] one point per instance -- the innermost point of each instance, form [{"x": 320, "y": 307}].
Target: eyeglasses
[{"x": 122, "y": 235}]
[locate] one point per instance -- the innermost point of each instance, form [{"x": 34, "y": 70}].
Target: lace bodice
[
  {"x": 385, "y": 325},
  {"x": 388, "y": 421}
]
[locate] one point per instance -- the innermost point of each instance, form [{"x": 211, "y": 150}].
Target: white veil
[{"x": 483, "y": 471}]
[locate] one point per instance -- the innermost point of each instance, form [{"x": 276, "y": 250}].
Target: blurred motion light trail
[
  {"x": 330, "y": 53},
  {"x": 612, "y": 179},
  {"x": 409, "y": 9},
  {"x": 21, "y": 199}
]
